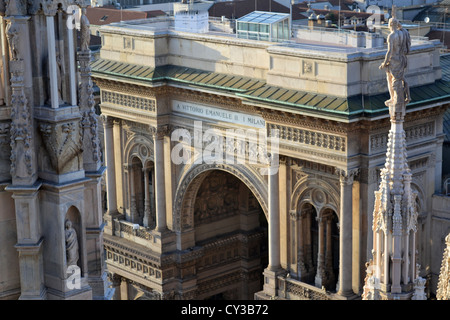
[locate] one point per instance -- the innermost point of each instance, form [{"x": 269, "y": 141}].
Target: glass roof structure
[
  {"x": 263, "y": 17},
  {"x": 265, "y": 26}
]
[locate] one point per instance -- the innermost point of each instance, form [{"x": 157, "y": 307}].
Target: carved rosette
[{"x": 63, "y": 142}]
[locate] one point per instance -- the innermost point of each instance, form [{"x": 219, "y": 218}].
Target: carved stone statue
[
  {"x": 13, "y": 40},
  {"x": 85, "y": 31},
  {"x": 71, "y": 244},
  {"x": 58, "y": 77},
  {"x": 395, "y": 63}
]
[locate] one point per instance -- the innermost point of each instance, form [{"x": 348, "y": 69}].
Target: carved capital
[
  {"x": 107, "y": 121},
  {"x": 347, "y": 176},
  {"x": 49, "y": 7},
  {"x": 160, "y": 132}
]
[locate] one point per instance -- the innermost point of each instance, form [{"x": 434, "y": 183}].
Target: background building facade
[
  {"x": 309, "y": 225},
  {"x": 236, "y": 168}
]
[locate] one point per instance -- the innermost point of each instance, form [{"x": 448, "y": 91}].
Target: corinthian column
[
  {"x": 110, "y": 173},
  {"x": 346, "y": 178},
  {"x": 321, "y": 255},
  {"x": 147, "y": 208}
]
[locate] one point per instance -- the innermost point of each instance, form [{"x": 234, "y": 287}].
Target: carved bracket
[{"x": 63, "y": 142}]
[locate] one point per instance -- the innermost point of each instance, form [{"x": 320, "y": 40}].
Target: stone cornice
[{"x": 131, "y": 249}]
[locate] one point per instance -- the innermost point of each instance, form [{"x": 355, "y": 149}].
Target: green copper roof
[
  {"x": 256, "y": 90},
  {"x": 175, "y": 73}
]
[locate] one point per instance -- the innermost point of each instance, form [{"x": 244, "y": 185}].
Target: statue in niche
[
  {"x": 58, "y": 77},
  {"x": 59, "y": 84},
  {"x": 13, "y": 41},
  {"x": 395, "y": 63},
  {"x": 85, "y": 31},
  {"x": 72, "y": 254}
]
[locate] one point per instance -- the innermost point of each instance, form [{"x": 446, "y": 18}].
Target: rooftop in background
[
  {"x": 263, "y": 17},
  {"x": 261, "y": 25},
  {"x": 239, "y": 8},
  {"x": 105, "y": 15},
  {"x": 307, "y": 76}
]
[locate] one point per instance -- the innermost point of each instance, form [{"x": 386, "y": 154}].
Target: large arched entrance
[{"x": 231, "y": 228}]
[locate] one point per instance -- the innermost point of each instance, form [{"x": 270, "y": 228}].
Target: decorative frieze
[
  {"x": 147, "y": 258},
  {"x": 137, "y": 266},
  {"x": 308, "y": 137},
  {"x": 378, "y": 142},
  {"x": 131, "y": 101}
]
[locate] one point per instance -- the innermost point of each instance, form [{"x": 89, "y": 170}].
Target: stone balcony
[
  {"x": 141, "y": 235},
  {"x": 292, "y": 289}
]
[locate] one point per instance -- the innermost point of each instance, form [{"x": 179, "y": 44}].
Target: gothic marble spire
[
  {"x": 391, "y": 274},
  {"x": 443, "y": 288}
]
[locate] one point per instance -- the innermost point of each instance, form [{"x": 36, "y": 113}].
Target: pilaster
[
  {"x": 110, "y": 175},
  {"x": 346, "y": 177},
  {"x": 29, "y": 241},
  {"x": 160, "y": 190}
]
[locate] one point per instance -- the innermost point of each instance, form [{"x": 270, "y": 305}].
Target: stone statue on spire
[
  {"x": 392, "y": 274},
  {"x": 395, "y": 63}
]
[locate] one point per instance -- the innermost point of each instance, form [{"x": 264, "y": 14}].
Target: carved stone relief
[
  {"x": 21, "y": 125},
  {"x": 217, "y": 197},
  {"x": 5, "y": 150},
  {"x": 63, "y": 142},
  {"x": 184, "y": 218}
]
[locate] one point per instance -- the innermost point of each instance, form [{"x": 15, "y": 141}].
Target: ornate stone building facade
[
  {"x": 181, "y": 224},
  {"x": 51, "y": 242}
]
